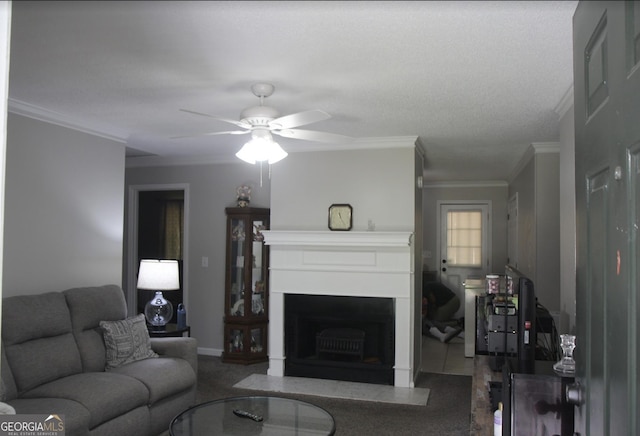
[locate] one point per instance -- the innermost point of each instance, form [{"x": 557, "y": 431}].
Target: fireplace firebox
[{"x": 340, "y": 338}]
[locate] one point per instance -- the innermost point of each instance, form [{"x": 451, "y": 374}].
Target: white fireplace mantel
[{"x": 361, "y": 264}]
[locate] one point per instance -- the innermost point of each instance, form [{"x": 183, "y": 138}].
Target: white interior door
[{"x": 464, "y": 244}]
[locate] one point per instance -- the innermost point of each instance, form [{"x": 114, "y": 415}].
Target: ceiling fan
[{"x": 263, "y": 121}]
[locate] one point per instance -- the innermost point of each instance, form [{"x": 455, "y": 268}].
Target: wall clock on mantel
[{"x": 340, "y": 217}]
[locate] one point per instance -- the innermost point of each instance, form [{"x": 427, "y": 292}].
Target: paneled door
[{"x": 607, "y": 122}]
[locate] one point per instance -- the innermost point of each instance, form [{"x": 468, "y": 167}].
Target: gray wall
[
  {"x": 567, "y": 225},
  {"x": 211, "y": 189},
  {"x": 63, "y": 208},
  {"x": 379, "y": 185},
  {"x": 547, "y": 280},
  {"x": 524, "y": 185},
  {"x": 538, "y": 188}
]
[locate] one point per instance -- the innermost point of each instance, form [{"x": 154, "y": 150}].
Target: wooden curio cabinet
[{"x": 246, "y": 286}]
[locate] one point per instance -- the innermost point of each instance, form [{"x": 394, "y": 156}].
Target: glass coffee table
[{"x": 271, "y": 416}]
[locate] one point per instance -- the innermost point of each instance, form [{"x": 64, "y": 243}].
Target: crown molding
[
  {"x": 41, "y": 114},
  {"x": 530, "y": 152},
  {"x": 163, "y": 161},
  {"x": 545, "y": 147},
  {"x": 365, "y": 144},
  {"x": 466, "y": 184}
]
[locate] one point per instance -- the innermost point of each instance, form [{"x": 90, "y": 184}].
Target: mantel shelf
[{"x": 321, "y": 238}]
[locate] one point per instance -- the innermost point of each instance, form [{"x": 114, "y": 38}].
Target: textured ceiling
[{"x": 476, "y": 82}]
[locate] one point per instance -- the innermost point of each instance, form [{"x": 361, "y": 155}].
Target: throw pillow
[{"x": 126, "y": 341}]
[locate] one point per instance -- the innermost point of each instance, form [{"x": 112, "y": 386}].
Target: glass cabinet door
[
  {"x": 257, "y": 340},
  {"x": 236, "y": 268},
  {"x": 258, "y": 268}
]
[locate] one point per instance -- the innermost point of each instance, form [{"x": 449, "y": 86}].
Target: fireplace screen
[
  {"x": 341, "y": 342},
  {"x": 340, "y": 338}
]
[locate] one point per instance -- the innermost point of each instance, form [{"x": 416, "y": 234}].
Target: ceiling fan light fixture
[
  {"x": 263, "y": 121},
  {"x": 261, "y": 148}
]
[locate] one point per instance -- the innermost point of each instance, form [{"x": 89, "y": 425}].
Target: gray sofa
[{"x": 54, "y": 358}]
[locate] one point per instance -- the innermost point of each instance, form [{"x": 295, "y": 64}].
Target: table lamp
[{"x": 158, "y": 275}]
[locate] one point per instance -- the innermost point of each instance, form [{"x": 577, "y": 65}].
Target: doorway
[
  {"x": 157, "y": 229},
  {"x": 464, "y": 243}
]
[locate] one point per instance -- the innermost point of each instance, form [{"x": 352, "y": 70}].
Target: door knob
[{"x": 573, "y": 394}]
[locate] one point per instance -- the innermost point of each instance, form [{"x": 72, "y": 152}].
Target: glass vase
[{"x": 566, "y": 365}]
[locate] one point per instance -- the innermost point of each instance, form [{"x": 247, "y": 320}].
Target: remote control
[{"x": 245, "y": 414}]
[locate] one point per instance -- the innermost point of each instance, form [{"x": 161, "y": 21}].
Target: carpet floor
[{"x": 447, "y": 411}]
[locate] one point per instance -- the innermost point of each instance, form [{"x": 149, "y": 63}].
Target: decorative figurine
[{"x": 243, "y": 194}]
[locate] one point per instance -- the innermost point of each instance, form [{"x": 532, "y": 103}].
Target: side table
[{"x": 170, "y": 330}]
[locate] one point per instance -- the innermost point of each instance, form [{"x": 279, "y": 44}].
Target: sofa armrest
[{"x": 181, "y": 347}]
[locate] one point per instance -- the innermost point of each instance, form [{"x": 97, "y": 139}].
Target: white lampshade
[
  {"x": 158, "y": 275},
  {"x": 261, "y": 148}
]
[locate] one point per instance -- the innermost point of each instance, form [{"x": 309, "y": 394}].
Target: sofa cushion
[
  {"x": 34, "y": 316},
  {"x": 126, "y": 341},
  {"x": 61, "y": 358},
  {"x": 88, "y": 306},
  {"x": 105, "y": 395},
  {"x": 76, "y": 416},
  {"x": 163, "y": 377},
  {"x": 37, "y": 339}
]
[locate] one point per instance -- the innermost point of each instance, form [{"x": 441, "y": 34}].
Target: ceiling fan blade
[
  {"x": 299, "y": 119},
  {"x": 226, "y": 120},
  {"x": 230, "y": 132},
  {"x": 311, "y": 135}
]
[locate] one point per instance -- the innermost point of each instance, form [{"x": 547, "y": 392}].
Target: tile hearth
[{"x": 336, "y": 389}]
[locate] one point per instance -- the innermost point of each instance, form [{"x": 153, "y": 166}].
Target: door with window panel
[{"x": 464, "y": 244}]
